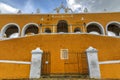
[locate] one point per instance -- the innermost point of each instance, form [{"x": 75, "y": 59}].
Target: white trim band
[
  {"x": 110, "y": 62},
  {"x": 14, "y": 62}
]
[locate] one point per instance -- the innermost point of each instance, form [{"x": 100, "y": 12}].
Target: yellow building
[{"x": 63, "y": 38}]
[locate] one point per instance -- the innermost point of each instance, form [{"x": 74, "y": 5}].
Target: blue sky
[
  {"x": 47, "y": 6},
  {"x": 29, "y": 6}
]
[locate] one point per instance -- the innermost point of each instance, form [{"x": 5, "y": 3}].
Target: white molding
[
  {"x": 110, "y": 62},
  {"x": 14, "y": 62},
  {"x": 99, "y": 25},
  {"x": 7, "y": 26},
  {"x": 37, "y": 50},
  {"x": 26, "y": 26}
]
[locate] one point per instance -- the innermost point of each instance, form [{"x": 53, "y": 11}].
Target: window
[
  {"x": 77, "y": 29},
  {"x": 47, "y": 30},
  {"x": 64, "y": 53},
  {"x": 62, "y": 26}
]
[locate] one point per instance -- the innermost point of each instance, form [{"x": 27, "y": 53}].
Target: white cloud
[
  {"x": 29, "y": 7},
  {"x": 76, "y": 7},
  {"x": 5, "y": 8},
  {"x": 94, "y": 5}
]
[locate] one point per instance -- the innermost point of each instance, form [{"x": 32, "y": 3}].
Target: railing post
[
  {"x": 35, "y": 70},
  {"x": 93, "y": 64}
]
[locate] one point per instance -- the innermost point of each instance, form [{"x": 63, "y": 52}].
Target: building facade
[
  {"x": 24, "y": 24},
  {"x": 63, "y": 38}
]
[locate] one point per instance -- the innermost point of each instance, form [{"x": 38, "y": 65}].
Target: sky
[{"x": 48, "y": 6}]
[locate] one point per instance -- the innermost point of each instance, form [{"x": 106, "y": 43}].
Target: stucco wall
[
  {"x": 110, "y": 71},
  {"x": 13, "y": 71},
  {"x": 52, "y": 19},
  {"x": 20, "y": 50}
]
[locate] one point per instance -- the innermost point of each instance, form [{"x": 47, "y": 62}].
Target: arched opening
[
  {"x": 77, "y": 30},
  {"x": 10, "y": 31},
  {"x": 47, "y": 30},
  {"x": 62, "y": 26},
  {"x": 95, "y": 28},
  {"x": 30, "y": 29},
  {"x": 113, "y": 29}
]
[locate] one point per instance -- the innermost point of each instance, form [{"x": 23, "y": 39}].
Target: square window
[{"x": 64, "y": 53}]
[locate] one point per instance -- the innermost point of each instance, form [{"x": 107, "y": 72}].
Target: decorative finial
[
  {"x": 38, "y": 11},
  {"x": 105, "y": 10},
  {"x": 85, "y": 10},
  {"x": 62, "y": 5},
  {"x": 19, "y": 12}
]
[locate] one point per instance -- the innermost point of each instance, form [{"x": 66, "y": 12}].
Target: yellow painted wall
[
  {"x": 49, "y": 19},
  {"x": 13, "y": 71},
  {"x": 20, "y": 49},
  {"x": 110, "y": 71}
]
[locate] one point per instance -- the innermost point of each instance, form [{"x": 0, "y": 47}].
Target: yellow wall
[
  {"x": 49, "y": 19},
  {"x": 20, "y": 49},
  {"x": 13, "y": 71},
  {"x": 110, "y": 71}
]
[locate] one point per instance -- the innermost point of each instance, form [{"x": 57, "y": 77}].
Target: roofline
[{"x": 59, "y": 14}]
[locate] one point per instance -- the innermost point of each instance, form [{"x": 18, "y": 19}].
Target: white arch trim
[
  {"x": 26, "y": 26},
  {"x": 7, "y": 26},
  {"x": 99, "y": 25},
  {"x": 112, "y": 22}
]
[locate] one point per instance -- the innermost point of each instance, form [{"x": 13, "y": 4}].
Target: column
[
  {"x": 71, "y": 28},
  {"x": 40, "y": 29},
  {"x": 53, "y": 29},
  {"x": 92, "y": 57},
  {"x": 35, "y": 70},
  {"x": 84, "y": 27}
]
